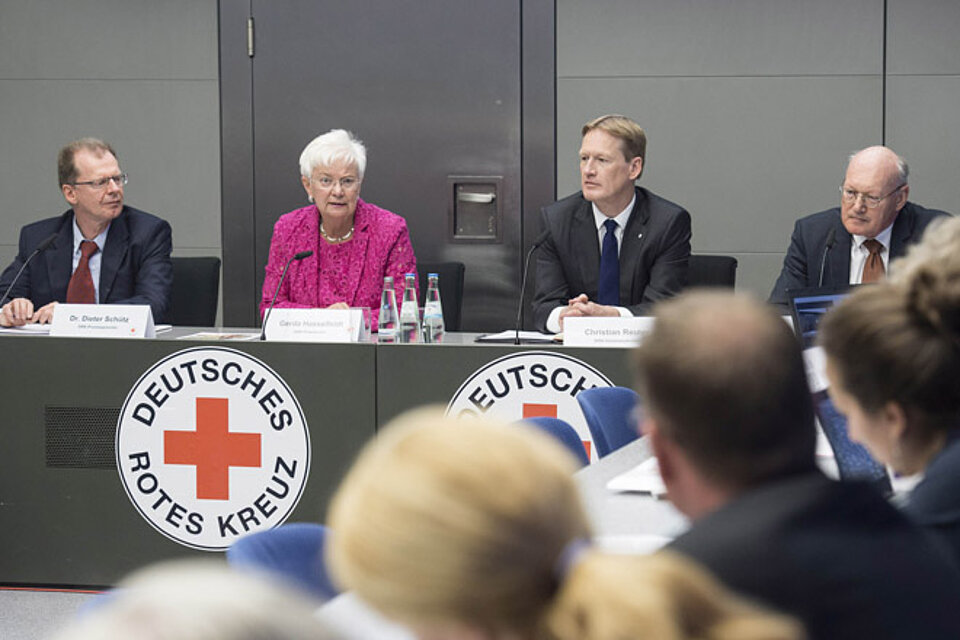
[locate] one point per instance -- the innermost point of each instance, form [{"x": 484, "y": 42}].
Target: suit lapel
[
  {"x": 59, "y": 260},
  {"x": 361, "y": 225},
  {"x": 114, "y": 253},
  {"x": 302, "y": 285},
  {"x": 586, "y": 247},
  {"x": 900, "y": 236},
  {"x": 837, "y": 271},
  {"x": 633, "y": 238}
]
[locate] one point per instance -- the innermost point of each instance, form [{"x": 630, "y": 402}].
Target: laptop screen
[{"x": 854, "y": 462}]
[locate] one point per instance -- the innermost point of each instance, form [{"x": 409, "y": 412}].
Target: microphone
[
  {"x": 266, "y": 316},
  {"x": 831, "y": 240},
  {"x": 523, "y": 283},
  {"x": 43, "y": 246}
]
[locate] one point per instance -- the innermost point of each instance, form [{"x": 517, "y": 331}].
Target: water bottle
[
  {"x": 410, "y": 310},
  {"x": 388, "y": 321},
  {"x": 433, "y": 311}
]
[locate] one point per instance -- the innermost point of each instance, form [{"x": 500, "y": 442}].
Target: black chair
[
  {"x": 451, "y": 289},
  {"x": 712, "y": 271},
  {"x": 193, "y": 296}
]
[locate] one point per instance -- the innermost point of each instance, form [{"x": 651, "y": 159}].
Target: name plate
[
  {"x": 317, "y": 325},
  {"x": 102, "y": 321},
  {"x": 606, "y": 332}
]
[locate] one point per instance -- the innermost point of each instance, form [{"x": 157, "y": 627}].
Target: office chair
[
  {"x": 293, "y": 552},
  {"x": 193, "y": 296},
  {"x": 609, "y": 412},
  {"x": 564, "y": 433},
  {"x": 712, "y": 271}
]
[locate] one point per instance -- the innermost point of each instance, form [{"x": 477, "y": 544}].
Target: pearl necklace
[{"x": 336, "y": 239}]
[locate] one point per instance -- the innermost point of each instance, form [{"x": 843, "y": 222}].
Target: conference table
[{"x": 67, "y": 500}]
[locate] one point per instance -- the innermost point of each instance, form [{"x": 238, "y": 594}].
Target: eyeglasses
[
  {"x": 120, "y": 179},
  {"x": 347, "y": 184},
  {"x": 872, "y": 202}
]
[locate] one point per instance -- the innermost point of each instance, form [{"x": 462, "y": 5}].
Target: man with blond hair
[{"x": 613, "y": 248}]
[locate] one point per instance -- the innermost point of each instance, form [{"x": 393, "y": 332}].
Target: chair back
[
  {"x": 292, "y": 552},
  {"x": 451, "y": 289},
  {"x": 564, "y": 433},
  {"x": 193, "y": 296},
  {"x": 712, "y": 271},
  {"x": 609, "y": 412}
]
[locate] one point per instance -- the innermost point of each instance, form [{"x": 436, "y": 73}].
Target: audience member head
[
  {"x": 333, "y": 147},
  {"x": 725, "y": 398},
  {"x": 874, "y": 190},
  {"x": 199, "y": 600},
  {"x": 473, "y": 529},
  {"x": 893, "y": 360}
]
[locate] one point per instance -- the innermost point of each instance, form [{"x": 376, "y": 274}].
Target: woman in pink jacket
[{"x": 354, "y": 243}]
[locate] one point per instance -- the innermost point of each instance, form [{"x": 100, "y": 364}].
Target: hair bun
[{"x": 933, "y": 296}]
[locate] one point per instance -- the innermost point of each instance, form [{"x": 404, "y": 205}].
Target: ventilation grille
[{"x": 81, "y": 437}]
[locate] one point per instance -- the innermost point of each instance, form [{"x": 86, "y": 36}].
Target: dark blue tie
[{"x": 608, "y": 291}]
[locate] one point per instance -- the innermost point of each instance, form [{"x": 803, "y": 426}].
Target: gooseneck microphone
[
  {"x": 831, "y": 240},
  {"x": 43, "y": 246},
  {"x": 523, "y": 283},
  {"x": 266, "y": 316}
]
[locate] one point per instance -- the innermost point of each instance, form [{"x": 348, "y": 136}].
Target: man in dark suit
[
  {"x": 583, "y": 272},
  {"x": 730, "y": 418},
  {"x": 833, "y": 247},
  {"x": 102, "y": 251}
]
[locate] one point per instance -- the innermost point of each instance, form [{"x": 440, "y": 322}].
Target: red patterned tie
[
  {"x": 80, "y": 290},
  {"x": 873, "y": 268}
]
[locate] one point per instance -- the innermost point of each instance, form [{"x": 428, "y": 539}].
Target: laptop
[{"x": 854, "y": 462}]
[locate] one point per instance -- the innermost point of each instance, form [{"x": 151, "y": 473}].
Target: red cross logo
[
  {"x": 534, "y": 410},
  {"x": 212, "y": 449}
]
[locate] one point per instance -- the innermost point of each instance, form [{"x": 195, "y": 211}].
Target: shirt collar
[
  {"x": 599, "y": 218},
  {"x": 883, "y": 238},
  {"x": 78, "y": 237}
]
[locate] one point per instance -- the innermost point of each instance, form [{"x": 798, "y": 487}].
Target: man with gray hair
[{"x": 853, "y": 243}]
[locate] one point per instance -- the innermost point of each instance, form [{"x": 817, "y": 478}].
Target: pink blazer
[{"x": 351, "y": 272}]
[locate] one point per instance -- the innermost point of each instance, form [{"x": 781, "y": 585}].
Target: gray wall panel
[
  {"x": 108, "y": 39},
  {"x": 165, "y": 134},
  {"x": 745, "y": 156},
  {"x": 923, "y": 125},
  {"x": 922, "y": 37},
  {"x": 718, "y": 37}
]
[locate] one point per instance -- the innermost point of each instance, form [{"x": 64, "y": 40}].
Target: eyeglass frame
[
  {"x": 121, "y": 179},
  {"x": 339, "y": 181},
  {"x": 872, "y": 202}
]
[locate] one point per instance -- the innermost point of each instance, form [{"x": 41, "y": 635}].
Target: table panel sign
[
  {"x": 318, "y": 325},
  {"x": 102, "y": 321},
  {"x": 606, "y": 332}
]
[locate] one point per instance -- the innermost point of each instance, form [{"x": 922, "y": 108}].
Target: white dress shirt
[
  {"x": 859, "y": 253},
  {"x": 553, "y": 321},
  {"x": 94, "y": 262}
]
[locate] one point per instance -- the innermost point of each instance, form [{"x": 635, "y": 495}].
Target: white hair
[{"x": 332, "y": 146}]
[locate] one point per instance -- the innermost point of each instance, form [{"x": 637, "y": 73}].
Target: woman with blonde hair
[{"x": 470, "y": 529}]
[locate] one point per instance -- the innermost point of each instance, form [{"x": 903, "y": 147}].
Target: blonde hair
[
  {"x": 443, "y": 521},
  {"x": 199, "y": 600},
  {"x": 940, "y": 246},
  {"x": 633, "y": 139}
]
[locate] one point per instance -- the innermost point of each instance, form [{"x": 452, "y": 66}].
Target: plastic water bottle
[
  {"x": 410, "y": 310},
  {"x": 388, "y": 322},
  {"x": 433, "y": 311}
]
